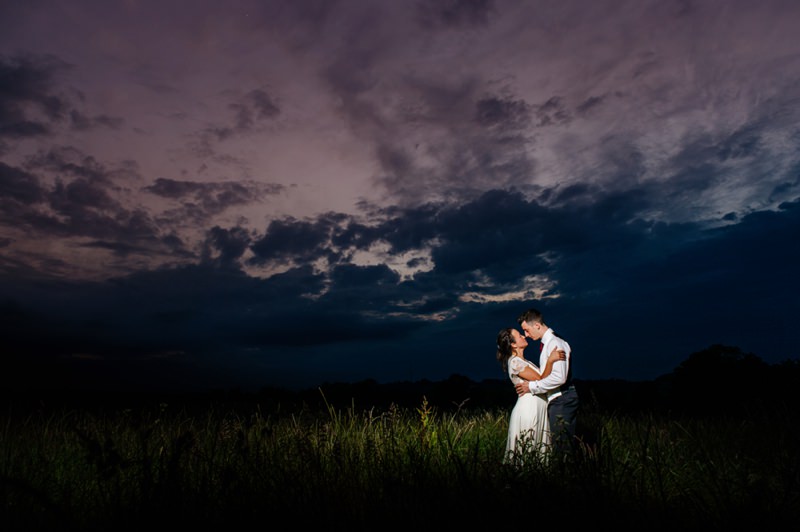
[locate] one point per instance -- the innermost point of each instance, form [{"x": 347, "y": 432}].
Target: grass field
[{"x": 222, "y": 465}]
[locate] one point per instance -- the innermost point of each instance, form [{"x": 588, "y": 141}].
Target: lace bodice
[{"x": 516, "y": 365}]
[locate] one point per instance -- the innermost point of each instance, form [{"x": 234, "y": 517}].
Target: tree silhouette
[{"x": 720, "y": 380}]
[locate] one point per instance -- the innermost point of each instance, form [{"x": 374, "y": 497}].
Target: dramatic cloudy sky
[{"x": 284, "y": 193}]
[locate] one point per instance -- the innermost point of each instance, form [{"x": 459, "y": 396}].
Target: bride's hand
[{"x": 558, "y": 354}]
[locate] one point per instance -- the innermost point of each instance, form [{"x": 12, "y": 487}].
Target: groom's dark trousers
[{"x": 562, "y": 413}]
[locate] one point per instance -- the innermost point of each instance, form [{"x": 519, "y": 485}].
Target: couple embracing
[{"x": 543, "y": 419}]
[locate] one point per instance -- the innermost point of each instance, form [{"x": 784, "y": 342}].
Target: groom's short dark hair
[{"x": 530, "y": 315}]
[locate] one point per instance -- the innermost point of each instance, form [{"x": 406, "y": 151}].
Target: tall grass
[{"x": 363, "y": 468}]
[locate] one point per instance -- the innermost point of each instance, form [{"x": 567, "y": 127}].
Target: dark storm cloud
[
  {"x": 601, "y": 256},
  {"x": 19, "y": 186},
  {"x": 223, "y": 247},
  {"x": 483, "y": 234},
  {"x": 355, "y": 234},
  {"x": 190, "y": 310},
  {"x": 600, "y": 247},
  {"x": 503, "y": 237},
  {"x": 76, "y": 196},
  {"x": 291, "y": 239},
  {"x": 407, "y": 229},
  {"x": 351, "y": 275},
  {"x": 33, "y": 102},
  {"x": 492, "y": 237},
  {"x": 83, "y": 198},
  {"x": 201, "y": 200},
  {"x": 171, "y": 188},
  {"x": 67, "y": 161},
  {"x": 335, "y": 236},
  {"x": 29, "y": 102},
  {"x": 64, "y": 193}
]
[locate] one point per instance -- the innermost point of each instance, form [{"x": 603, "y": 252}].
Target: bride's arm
[{"x": 530, "y": 374}]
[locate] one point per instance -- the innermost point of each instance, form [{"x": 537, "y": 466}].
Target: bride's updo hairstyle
[{"x": 504, "y": 349}]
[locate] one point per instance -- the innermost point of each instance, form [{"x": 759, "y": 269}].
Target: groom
[{"x": 562, "y": 398}]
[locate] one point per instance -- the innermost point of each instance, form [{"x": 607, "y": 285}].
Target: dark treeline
[{"x": 720, "y": 380}]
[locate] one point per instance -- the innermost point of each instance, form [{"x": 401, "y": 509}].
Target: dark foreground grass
[{"x": 363, "y": 469}]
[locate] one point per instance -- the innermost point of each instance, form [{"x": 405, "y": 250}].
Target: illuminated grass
[{"x": 121, "y": 470}]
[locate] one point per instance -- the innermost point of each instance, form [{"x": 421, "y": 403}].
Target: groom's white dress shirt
[{"x": 558, "y": 376}]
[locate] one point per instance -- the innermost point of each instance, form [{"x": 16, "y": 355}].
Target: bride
[{"x": 528, "y": 428}]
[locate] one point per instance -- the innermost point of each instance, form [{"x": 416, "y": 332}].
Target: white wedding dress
[{"x": 528, "y": 428}]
